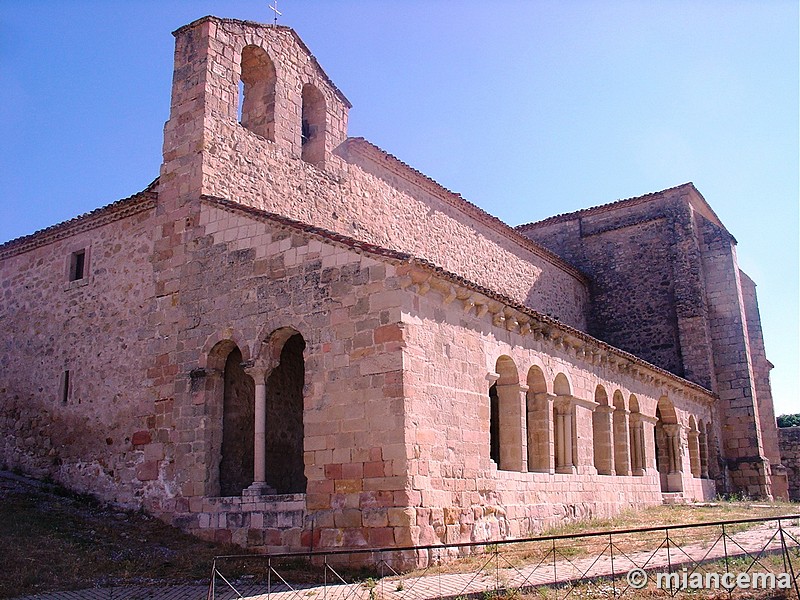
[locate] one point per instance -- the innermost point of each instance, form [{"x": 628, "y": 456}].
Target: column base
[{"x": 259, "y": 488}]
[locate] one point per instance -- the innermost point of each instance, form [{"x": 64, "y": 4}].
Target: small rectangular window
[
  {"x": 65, "y": 387},
  {"x": 77, "y": 265}
]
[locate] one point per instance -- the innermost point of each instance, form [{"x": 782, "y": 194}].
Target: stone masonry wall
[
  {"x": 458, "y": 494},
  {"x": 748, "y": 466},
  {"x": 356, "y": 195},
  {"x": 248, "y": 278},
  {"x": 646, "y": 280},
  {"x": 91, "y": 437},
  {"x": 666, "y": 286},
  {"x": 789, "y": 438}
]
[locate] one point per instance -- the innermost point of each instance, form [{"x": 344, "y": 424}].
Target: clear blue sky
[{"x": 527, "y": 108}]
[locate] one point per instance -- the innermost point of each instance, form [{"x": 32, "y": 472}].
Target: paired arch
[
  {"x": 621, "y": 436},
  {"x": 256, "y": 409},
  {"x": 668, "y": 446},
  {"x": 505, "y": 422},
  {"x": 256, "y": 105}
]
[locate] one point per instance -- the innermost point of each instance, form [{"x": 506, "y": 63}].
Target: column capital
[{"x": 257, "y": 371}]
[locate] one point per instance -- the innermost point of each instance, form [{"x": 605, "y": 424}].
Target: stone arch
[
  {"x": 216, "y": 347},
  {"x": 601, "y": 433},
  {"x": 637, "y": 445},
  {"x": 694, "y": 447},
  {"x": 507, "y": 442},
  {"x": 621, "y": 436},
  {"x": 668, "y": 446},
  {"x": 562, "y": 385},
  {"x": 313, "y": 125},
  {"x": 539, "y": 422},
  {"x": 233, "y": 414},
  {"x": 257, "y": 92},
  {"x": 284, "y": 469},
  {"x": 565, "y": 436}
]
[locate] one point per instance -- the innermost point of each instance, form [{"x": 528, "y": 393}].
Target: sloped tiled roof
[
  {"x": 456, "y": 200},
  {"x": 685, "y": 188}
]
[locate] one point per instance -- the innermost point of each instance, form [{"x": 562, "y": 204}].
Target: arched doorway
[{"x": 505, "y": 406}]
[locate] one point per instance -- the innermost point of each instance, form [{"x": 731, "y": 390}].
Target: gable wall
[{"x": 346, "y": 195}]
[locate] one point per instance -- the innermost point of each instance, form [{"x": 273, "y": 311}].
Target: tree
[{"x": 789, "y": 420}]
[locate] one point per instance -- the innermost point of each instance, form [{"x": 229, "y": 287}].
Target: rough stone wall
[
  {"x": 93, "y": 437},
  {"x": 350, "y": 193},
  {"x": 790, "y": 456}
]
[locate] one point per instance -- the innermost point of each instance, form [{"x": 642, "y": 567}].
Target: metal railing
[{"x": 737, "y": 557}]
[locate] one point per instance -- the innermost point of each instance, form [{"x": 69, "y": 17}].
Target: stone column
[
  {"x": 540, "y": 433},
  {"x": 703, "y": 453},
  {"x": 622, "y": 461},
  {"x": 672, "y": 432},
  {"x": 513, "y": 431},
  {"x": 637, "y": 455},
  {"x": 259, "y": 486}
]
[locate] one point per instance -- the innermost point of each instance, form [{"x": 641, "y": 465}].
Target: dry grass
[{"x": 52, "y": 539}]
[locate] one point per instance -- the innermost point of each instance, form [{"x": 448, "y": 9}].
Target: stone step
[{"x": 673, "y": 498}]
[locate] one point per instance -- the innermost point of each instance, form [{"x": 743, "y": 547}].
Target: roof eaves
[
  {"x": 606, "y": 207},
  {"x": 404, "y": 257},
  {"x": 139, "y": 202}
]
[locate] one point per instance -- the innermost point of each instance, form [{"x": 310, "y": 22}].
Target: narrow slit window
[
  {"x": 65, "y": 387},
  {"x": 77, "y": 269}
]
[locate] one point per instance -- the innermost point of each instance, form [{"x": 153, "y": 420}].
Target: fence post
[
  {"x": 613, "y": 571},
  {"x": 725, "y": 546},
  {"x": 497, "y": 569},
  {"x": 211, "y": 591},
  {"x": 787, "y": 558}
]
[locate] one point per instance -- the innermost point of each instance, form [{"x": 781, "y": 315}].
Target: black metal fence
[{"x": 744, "y": 558}]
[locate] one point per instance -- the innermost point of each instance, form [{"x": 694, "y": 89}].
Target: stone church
[{"x": 293, "y": 339}]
